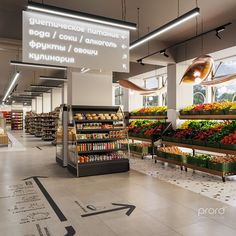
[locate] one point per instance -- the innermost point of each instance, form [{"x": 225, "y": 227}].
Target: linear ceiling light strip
[
  {"x": 172, "y": 24},
  {"x": 52, "y": 78},
  {"x": 15, "y": 78},
  {"x": 80, "y": 15},
  {"x": 43, "y": 86},
  {"x": 19, "y": 63},
  {"x": 187, "y": 40}
]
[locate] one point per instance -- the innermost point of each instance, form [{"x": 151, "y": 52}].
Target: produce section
[
  {"x": 205, "y": 133},
  {"x": 155, "y": 112},
  {"x": 212, "y": 111},
  {"x": 211, "y": 136},
  {"x": 147, "y": 131}
]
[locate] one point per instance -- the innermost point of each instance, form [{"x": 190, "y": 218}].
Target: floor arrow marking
[
  {"x": 54, "y": 206},
  {"x": 128, "y": 207},
  {"x": 70, "y": 231}
]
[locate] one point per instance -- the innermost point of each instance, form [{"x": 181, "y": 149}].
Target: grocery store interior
[{"x": 117, "y": 117}]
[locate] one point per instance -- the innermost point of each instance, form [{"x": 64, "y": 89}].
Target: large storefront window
[
  {"x": 225, "y": 92},
  {"x": 199, "y": 94},
  {"x": 149, "y": 83},
  {"x": 155, "y": 82}
]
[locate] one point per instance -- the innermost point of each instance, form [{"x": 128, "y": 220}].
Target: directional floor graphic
[{"x": 34, "y": 212}]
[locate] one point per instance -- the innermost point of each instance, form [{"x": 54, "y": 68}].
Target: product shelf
[
  {"x": 204, "y": 148},
  {"x": 98, "y": 130},
  {"x": 141, "y": 139},
  {"x": 96, "y": 121},
  {"x": 112, "y": 160},
  {"x": 100, "y": 151},
  {"x": 98, "y": 140},
  {"x": 148, "y": 117},
  {"x": 207, "y": 117}
]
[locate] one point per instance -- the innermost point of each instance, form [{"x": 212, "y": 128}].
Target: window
[
  {"x": 149, "y": 83},
  {"x": 149, "y": 101},
  {"x": 225, "y": 92},
  {"x": 118, "y": 95},
  {"x": 199, "y": 94}
]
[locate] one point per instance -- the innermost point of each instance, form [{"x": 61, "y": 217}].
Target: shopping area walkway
[{"x": 92, "y": 206}]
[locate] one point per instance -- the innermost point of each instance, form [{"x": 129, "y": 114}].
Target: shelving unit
[
  {"x": 17, "y": 120},
  {"x": 7, "y": 116},
  {"x": 38, "y": 126},
  {"x": 202, "y": 148},
  {"x": 151, "y": 141},
  {"x": 148, "y": 117},
  {"x": 27, "y": 122},
  {"x": 48, "y": 127},
  {"x": 98, "y": 150},
  {"x": 207, "y": 117},
  {"x": 4, "y": 140},
  {"x": 32, "y": 124}
]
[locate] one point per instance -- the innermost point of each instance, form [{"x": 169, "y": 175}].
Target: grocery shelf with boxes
[
  {"x": 100, "y": 145},
  {"x": 17, "y": 120},
  {"x": 4, "y": 140}
]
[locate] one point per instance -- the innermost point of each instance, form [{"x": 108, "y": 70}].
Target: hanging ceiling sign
[{"x": 55, "y": 40}]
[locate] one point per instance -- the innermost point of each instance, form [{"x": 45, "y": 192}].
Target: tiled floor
[
  {"x": 198, "y": 182},
  {"x": 161, "y": 208}
]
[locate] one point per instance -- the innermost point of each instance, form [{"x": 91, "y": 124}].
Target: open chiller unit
[{"x": 101, "y": 141}]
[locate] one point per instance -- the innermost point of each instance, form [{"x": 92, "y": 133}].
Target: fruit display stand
[
  {"x": 207, "y": 117},
  {"x": 151, "y": 139},
  {"x": 227, "y": 149},
  {"x": 100, "y": 143},
  {"x": 185, "y": 165}
]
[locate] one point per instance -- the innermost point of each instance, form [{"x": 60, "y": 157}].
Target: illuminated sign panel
[{"x": 67, "y": 42}]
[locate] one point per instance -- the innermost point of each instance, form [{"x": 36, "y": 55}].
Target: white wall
[
  {"x": 39, "y": 105},
  {"x": 33, "y": 105},
  {"x": 46, "y": 102},
  {"x": 93, "y": 89},
  {"x": 56, "y": 97},
  {"x": 5, "y": 108}
]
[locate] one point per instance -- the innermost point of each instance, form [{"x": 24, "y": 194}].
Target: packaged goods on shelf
[
  {"x": 99, "y": 146},
  {"x": 95, "y": 158},
  {"x": 99, "y": 140},
  {"x": 17, "y": 120}
]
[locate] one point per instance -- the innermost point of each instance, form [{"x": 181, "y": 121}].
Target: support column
[
  {"x": 91, "y": 89},
  {"x": 46, "y": 102},
  {"x": 56, "y": 97},
  {"x": 33, "y": 105},
  {"x": 39, "y": 107},
  {"x": 178, "y": 95}
]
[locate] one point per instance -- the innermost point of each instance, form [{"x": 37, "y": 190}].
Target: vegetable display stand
[
  {"x": 212, "y": 171},
  {"x": 208, "y": 117},
  {"x": 100, "y": 145},
  {"x": 154, "y": 131},
  {"x": 148, "y": 117}
]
